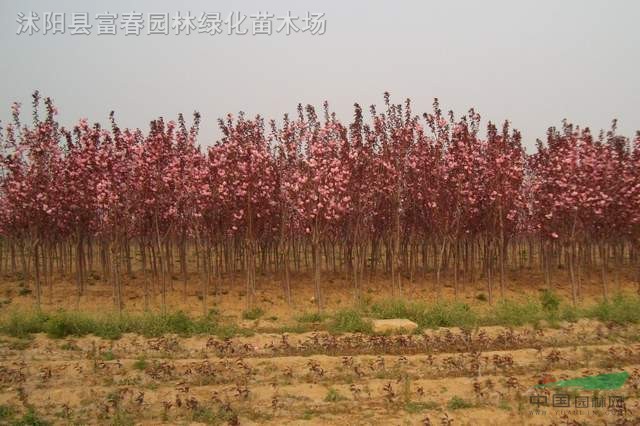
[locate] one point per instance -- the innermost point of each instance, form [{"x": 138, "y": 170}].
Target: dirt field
[
  {"x": 485, "y": 375},
  {"x": 228, "y": 294}
]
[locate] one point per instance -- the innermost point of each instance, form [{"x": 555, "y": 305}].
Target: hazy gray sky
[{"x": 533, "y": 62}]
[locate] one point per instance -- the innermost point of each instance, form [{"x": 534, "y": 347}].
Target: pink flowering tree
[
  {"x": 247, "y": 184},
  {"x": 415, "y": 195},
  {"x": 503, "y": 176},
  {"x": 319, "y": 185},
  {"x": 32, "y": 198}
]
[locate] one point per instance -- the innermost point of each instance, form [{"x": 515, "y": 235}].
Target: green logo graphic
[{"x": 610, "y": 381}]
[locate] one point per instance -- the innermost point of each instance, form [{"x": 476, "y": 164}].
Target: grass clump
[
  {"x": 570, "y": 313},
  {"x": 620, "y": 309},
  {"x": 514, "y": 313},
  {"x": 397, "y": 308},
  {"x": 349, "y": 321},
  {"x": 550, "y": 302},
  {"x": 448, "y": 314},
  {"x": 141, "y": 364},
  {"x": 61, "y": 324},
  {"x": 22, "y": 325},
  {"x": 549, "y": 308},
  {"x": 6, "y": 412},
  {"x": 311, "y": 317},
  {"x": 253, "y": 314},
  {"x": 333, "y": 396},
  {"x": 155, "y": 325},
  {"x": 457, "y": 403},
  {"x": 440, "y": 314},
  {"x": 505, "y": 312}
]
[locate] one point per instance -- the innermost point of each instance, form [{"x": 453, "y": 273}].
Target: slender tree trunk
[
  {"x": 603, "y": 270},
  {"x": 36, "y": 264}
]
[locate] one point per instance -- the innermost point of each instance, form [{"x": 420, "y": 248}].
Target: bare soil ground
[
  {"x": 228, "y": 294},
  {"x": 485, "y": 375}
]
